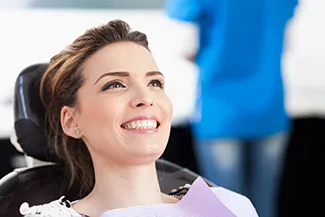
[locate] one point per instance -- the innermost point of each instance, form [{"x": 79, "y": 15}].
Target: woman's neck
[{"x": 119, "y": 186}]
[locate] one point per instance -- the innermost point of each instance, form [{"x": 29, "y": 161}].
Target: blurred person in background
[
  {"x": 303, "y": 181},
  {"x": 241, "y": 126}
]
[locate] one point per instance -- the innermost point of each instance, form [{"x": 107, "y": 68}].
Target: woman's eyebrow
[{"x": 153, "y": 73}]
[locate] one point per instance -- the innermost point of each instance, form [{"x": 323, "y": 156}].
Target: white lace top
[{"x": 57, "y": 208}]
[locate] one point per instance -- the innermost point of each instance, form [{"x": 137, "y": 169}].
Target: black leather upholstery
[{"x": 29, "y": 114}]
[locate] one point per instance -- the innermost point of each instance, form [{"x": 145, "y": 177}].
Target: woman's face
[{"x": 123, "y": 112}]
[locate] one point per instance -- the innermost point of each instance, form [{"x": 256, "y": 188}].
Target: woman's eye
[
  {"x": 113, "y": 85},
  {"x": 156, "y": 83}
]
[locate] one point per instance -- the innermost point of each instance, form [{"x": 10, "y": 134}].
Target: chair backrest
[{"x": 29, "y": 115}]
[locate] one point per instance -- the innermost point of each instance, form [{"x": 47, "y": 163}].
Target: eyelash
[
  {"x": 110, "y": 85},
  {"x": 113, "y": 84},
  {"x": 160, "y": 83}
]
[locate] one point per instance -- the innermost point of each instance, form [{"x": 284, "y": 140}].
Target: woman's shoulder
[
  {"x": 237, "y": 203},
  {"x": 56, "y": 208}
]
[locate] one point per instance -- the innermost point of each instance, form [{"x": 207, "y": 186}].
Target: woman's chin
[
  {"x": 147, "y": 154},
  {"x": 142, "y": 160}
]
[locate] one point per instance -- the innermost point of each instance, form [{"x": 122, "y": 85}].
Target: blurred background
[{"x": 265, "y": 56}]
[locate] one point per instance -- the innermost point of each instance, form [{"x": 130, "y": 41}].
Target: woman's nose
[{"x": 142, "y": 100}]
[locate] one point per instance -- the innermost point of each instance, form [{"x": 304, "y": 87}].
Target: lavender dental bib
[{"x": 199, "y": 201}]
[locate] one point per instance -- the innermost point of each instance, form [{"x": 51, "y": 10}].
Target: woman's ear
[{"x": 69, "y": 124}]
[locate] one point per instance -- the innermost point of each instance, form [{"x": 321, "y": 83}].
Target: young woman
[{"x": 110, "y": 119}]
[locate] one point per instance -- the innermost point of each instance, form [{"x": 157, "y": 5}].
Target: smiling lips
[{"x": 142, "y": 124}]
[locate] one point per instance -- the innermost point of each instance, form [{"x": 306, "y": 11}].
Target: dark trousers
[{"x": 302, "y": 188}]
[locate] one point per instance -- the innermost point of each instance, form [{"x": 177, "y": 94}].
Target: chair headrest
[{"x": 29, "y": 115}]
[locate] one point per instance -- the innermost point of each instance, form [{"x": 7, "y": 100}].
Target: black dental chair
[{"x": 44, "y": 183}]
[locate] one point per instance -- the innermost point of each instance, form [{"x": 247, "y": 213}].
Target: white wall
[{"x": 303, "y": 60}]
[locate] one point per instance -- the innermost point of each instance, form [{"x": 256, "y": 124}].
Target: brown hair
[{"x": 59, "y": 87}]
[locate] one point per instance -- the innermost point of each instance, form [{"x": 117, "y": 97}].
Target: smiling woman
[{"x": 110, "y": 119}]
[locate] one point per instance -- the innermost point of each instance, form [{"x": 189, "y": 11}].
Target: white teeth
[{"x": 141, "y": 124}]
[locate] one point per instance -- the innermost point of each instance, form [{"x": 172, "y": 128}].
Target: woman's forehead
[{"x": 121, "y": 56}]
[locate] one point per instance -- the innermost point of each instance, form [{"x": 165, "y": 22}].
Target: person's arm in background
[{"x": 185, "y": 16}]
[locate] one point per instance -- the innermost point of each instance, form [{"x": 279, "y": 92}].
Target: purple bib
[{"x": 199, "y": 201}]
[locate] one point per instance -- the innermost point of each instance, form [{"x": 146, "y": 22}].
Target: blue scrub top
[{"x": 240, "y": 84}]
